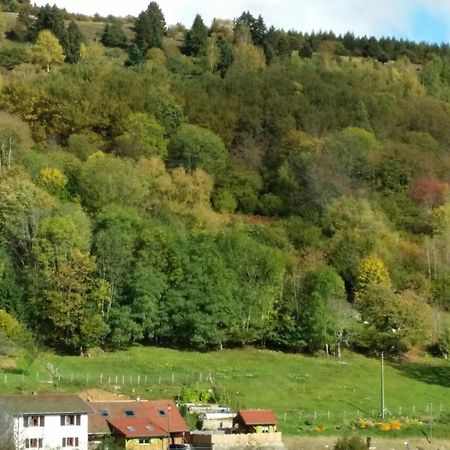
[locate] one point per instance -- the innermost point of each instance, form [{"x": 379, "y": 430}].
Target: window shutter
[
  {"x": 62, "y": 420},
  {"x": 42, "y": 421},
  {"x": 78, "y": 419},
  {"x": 25, "y": 421},
  {"x": 27, "y": 443},
  {"x": 64, "y": 440},
  {"x": 77, "y": 442},
  {"x": 40, "y": 443}
]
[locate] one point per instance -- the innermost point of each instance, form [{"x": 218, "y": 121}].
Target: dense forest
[{"x": 220, "y": 186}]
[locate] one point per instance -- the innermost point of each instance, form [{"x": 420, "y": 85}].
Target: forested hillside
[{"x": 219, "y": 186}]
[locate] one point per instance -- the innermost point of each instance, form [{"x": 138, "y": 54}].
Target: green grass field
[{"x": 304, "y": 392}]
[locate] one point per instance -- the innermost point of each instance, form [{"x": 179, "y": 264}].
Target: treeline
[{"x": 190, "y": 190}]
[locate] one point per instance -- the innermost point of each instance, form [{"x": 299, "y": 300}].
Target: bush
[{"x": 350, "y": 443}]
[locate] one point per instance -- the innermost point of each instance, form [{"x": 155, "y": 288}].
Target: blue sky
[{"x": 418, "y": 20}]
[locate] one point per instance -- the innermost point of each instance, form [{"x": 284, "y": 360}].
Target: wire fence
[{"x": 54, "y": 379}]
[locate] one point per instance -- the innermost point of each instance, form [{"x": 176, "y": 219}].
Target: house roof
[
  {"x": 257, "y": 416},
  {"x": 44, "y": 404},
  {"x": 155, "y": 412},
  {"x": 136, "y": 428}
]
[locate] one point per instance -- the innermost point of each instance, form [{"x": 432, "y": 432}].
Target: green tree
[
  {"x": 68, "y": 296},
  {"x": 143, "y": 136},
  {"x": 115, "y": 239},
  {"x": 72, "y": 42},
  {"x": 106, "y": 179},
  {"x": 196, "y": 38},
  {"x": 323, "y": 295},
  {"x": 150, "y": 27},
  {"x": 113, "y": 35},
  {"x": 196, "y": 147},
  {"x": 47, "y": 51},
  {"x": 49, "y": 18},
  {"x": 135, "y": 57}
]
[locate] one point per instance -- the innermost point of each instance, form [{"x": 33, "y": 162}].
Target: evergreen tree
[
  {"x": 113, "y": 35},
  {"x": 196, "y": 38},
  {"x": 49, "y": 18},
  {"x": 150, "y": 27},
  {"x": 135, "y": 56},
  {"x": 257, "y": 27},
  {"x": 72, "y": 43}
]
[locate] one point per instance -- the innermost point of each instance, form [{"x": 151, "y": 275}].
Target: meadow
[{"x": 310, "y": 395}]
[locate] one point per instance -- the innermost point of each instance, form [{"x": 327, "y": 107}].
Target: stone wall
[{"x": 264, "y": 441}]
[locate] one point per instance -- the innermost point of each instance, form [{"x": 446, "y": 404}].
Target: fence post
[{"x": 101, "y": 378}]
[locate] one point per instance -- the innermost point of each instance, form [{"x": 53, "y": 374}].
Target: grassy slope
[{"x": 296, "y": 387}]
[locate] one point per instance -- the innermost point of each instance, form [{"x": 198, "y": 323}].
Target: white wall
[{"x": 53, "y": 433}]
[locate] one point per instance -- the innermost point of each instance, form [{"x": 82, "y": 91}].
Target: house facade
[{"x": 56, "y": 421}]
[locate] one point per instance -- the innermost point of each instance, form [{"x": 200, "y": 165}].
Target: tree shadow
[{"x": 430, "y": 374}]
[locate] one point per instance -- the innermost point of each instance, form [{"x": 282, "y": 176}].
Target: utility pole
[{"x": 383, "y": 409}]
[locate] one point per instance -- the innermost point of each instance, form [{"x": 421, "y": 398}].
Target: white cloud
[{"x": 376, "y": 17}]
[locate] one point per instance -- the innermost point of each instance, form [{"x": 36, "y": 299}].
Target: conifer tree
[
  {"x": 72, "y": 43},
  {"x": 196, "y": 38},
  {"x": 150, "y": 28},
  {"x": 49, "y": 18},
  {"x": 135, "y": 56}
]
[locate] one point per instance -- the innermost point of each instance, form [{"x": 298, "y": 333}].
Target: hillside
[
  {"x": 223, "y": 186},
  {"x": 304, "y": 392}
]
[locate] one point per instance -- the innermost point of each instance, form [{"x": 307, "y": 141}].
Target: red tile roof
[
  {"x": 153, "y": 411},
  {"x": 137, "y": 428},
  {"x": 257, "y": 416}
]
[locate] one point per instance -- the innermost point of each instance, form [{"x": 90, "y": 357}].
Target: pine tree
[
  {"x": 135, "y": 56},
  {"x": 113, "y": 35},
  {"x": 150, "y": 27},
  {"x": 72, "y": 43},
  {"x": 196, "y": 38},
  {"x": 49, "y": 18}
]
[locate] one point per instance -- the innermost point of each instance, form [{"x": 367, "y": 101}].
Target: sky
[{"x": 419, "y": 20}]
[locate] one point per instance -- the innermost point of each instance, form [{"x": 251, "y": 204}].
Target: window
[
  {"x": 104, "y": 413},
  {"x": 144, "y": 441},
  {"x": 33, "y": 421},
  {"x": 33, "y": 443},
  {"x": 162, "y": 412},
  {"x": 70, "y": 419},
  {"x": 129, "y": 413},
  {"x": 70, "y": 442}
]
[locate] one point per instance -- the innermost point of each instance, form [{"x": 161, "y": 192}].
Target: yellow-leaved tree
[
  {"x": 47, "y": 51},
  {"x": 371, "y": 271}
]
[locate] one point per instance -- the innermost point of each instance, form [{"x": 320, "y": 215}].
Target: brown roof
[
  {"x": 137, "y": 428},
  {"x": 257, "y": 416},
  {"x": 45, "y": 404},
  {"x": 154, "y": 411}
]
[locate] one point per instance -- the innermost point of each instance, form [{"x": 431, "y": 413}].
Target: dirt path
[{"x": 323, "y": 443}]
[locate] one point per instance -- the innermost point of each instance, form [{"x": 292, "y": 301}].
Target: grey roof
[{"x": 44, "y": 404}]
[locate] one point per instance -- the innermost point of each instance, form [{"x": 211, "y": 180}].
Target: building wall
[
  {"x": 264, "y": 441},
  {"x": 52, "y": 433},
  {"x": 154, "y": 444}
]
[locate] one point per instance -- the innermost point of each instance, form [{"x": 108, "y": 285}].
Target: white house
[{"x": 53, "y": 421}]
